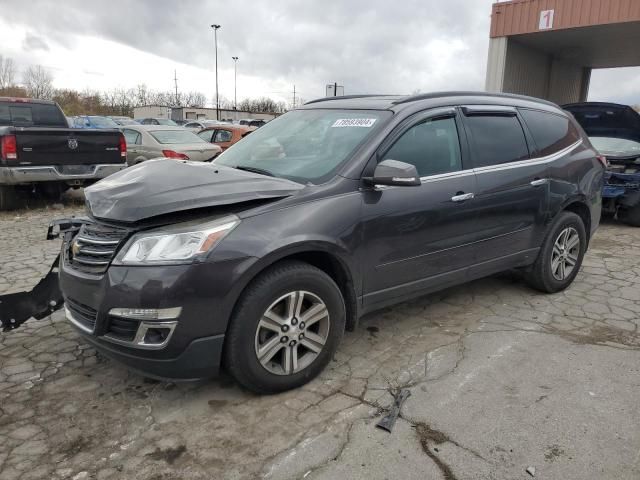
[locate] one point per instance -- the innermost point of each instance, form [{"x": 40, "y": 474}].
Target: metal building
[{"x": 548, "y": 48}]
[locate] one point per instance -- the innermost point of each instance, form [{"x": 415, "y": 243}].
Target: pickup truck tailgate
[{"x": 67, "y": 146}]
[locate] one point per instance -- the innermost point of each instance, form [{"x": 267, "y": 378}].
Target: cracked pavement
[{"x": 502, "y": 378}]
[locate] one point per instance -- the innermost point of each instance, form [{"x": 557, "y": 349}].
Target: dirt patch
[
  {"x": 217, "y": 404},
  {"x": 600, "y": 335},
  {"x": 373, "y": 331},
  {"x": 74, "y": 447},
  {"x": 169, "y": 455},
  {"x": 427, "y": 435},
  {"x": 553, "y": 451}
]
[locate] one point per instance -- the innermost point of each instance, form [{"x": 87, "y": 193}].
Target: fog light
[
  {"x": 156, "y": 336},
  {"x": 147, "y": 313}
]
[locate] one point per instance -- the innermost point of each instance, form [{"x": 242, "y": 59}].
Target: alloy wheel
[
  {"x": 292, "y": 332},
  {"x": 566, "y": 251}
]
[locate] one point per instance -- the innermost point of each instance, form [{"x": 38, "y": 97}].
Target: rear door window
[
  {"x": 551, "y": 132},
  {"x": 496, "y": 139}
]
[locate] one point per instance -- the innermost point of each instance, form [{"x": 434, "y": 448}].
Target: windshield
[
  {"x": 175, "y": 136},
  {"x": 615, "y": 146},
  {"x": 304, "y": 145},
  {"x": 103, "y": 122}
]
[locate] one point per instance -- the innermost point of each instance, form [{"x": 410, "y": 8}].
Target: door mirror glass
[{"x": 395, "y": 173}]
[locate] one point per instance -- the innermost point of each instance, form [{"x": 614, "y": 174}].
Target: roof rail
[
  {"x": 344, "y": 97},
  {"x": 427, "y": 96}
]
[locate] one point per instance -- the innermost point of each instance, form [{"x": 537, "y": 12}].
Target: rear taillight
[
  {"x": 122, "y": 147},
  {"x": 176, "y": 155},
  {"x": 603, "y": 160},
  {"x": 9, "y": 147}
]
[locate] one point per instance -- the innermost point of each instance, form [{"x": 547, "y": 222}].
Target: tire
[
  {"x": 630, "y": 216},
  {"x": 8, "y": 197},
  {"x": 272, "y": 293},
  {"x": 544, "y": 275}
]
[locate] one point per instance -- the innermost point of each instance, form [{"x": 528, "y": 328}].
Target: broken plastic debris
[
  {"x": 389, "y": 420},
  {"x": 531, "y": 471}
]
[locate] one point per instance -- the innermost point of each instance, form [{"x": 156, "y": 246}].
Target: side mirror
[{"x": 395, "y": 173}]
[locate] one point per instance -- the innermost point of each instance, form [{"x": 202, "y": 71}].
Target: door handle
[
  {"x": 539, "y": 181},
  {"x": 461, "y": 197}
]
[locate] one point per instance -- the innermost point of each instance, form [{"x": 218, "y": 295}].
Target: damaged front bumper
[{"x": 46, "y": 297}]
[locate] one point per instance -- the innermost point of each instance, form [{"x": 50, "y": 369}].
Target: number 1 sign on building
[{"x": 546, "y": 20}]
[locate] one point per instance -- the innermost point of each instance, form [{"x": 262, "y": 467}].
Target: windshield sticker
[{"x": 354, "y": 122}]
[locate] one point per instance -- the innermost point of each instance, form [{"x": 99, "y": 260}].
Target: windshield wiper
[{"x": 261, "y": 171}]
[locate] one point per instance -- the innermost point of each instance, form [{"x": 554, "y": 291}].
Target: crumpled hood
[{"x": 162, "y": 186}]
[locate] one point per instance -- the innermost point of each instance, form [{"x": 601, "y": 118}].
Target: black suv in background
[{"x": 260, "y": 260}]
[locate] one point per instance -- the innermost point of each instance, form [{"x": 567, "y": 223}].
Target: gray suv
[{"x": 259, "y": 261}]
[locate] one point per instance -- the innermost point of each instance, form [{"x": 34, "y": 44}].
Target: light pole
[
  {"x": 215, "y": 39},
  {"x": 235, "y": 83}
]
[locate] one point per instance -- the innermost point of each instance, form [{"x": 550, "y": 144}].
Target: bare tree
[
  {"x": 7, "y": 72},
  {"x": 262, "y": 104},
  {"x": 39, "y": 82},
  {"x": 195, "y": 99},
  {"x": 142, "y": 95}
]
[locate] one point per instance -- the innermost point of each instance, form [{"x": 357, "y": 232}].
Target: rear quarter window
[{"x": 550, "y": 132}]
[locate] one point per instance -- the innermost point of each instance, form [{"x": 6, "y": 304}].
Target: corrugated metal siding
[
  {"x": 566, "y": 82},
  {"x": 526, "y": 71},
  {"x": 523, "y": 16},
  {"x": 496, "y": 63}
]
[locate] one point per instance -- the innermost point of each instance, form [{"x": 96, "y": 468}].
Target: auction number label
[{"x": 354, "y": 122}]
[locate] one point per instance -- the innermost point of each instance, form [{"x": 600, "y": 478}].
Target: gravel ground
[{"x": 502, "y": 379}]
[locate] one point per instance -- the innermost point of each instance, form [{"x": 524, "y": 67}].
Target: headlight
[{"x": 176, "y": 244}]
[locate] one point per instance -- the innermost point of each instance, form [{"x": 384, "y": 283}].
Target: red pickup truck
[{"x": 37, "y": 148}]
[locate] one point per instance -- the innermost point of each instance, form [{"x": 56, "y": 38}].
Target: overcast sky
[{"x": 369, "y": 46}]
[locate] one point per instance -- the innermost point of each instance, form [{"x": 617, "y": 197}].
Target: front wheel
[
  {"x": 561, "y": 254},
  {"x": 285, "y": 329}
]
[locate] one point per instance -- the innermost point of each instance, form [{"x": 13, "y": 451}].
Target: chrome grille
[{"x": 93, "y": 249}]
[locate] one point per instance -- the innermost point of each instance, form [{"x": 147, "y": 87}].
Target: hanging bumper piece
[{"x": 46, "y": 297}]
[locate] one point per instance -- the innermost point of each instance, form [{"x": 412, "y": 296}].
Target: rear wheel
[
  {"x": 285, "y": 329},
  {"x": 630, "y": 216},
  {"x": 561, "y": 254},
  {"x": 8, "y": 197}
]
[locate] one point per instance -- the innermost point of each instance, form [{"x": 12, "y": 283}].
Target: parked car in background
[
  {"x": 197, "y": 125},
  {"x": 251, "y": 122},
  {"x": 181, "y": 122},
  {"x": 225, "y": 135},
  {"x": 260, "y": 260},
  {"x": 122, "y": 120},
  {"x": 154, "y": 141},
  {"x": 38, "y": 149},
  {"x": 93, "y": 121},
  {"x": 614, "y": 130},
  {"x": 157, "y": 121}
]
